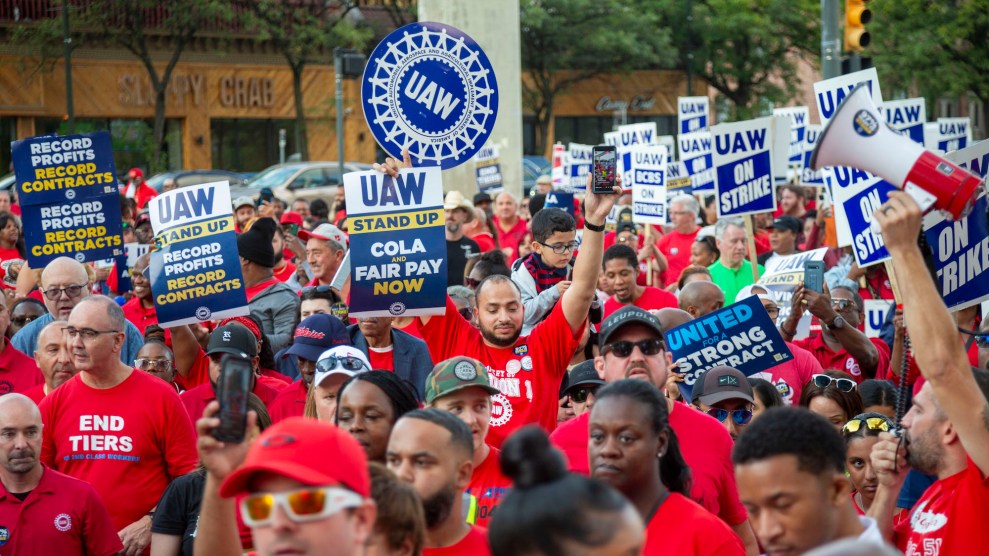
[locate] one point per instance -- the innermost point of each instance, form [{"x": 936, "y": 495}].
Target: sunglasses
[
  {"x": 740, "y": 416},
  {"x": 872, "y": 423},
  {"x": 306, "y": 504},
  {"x": 842, "y": 304},
  {"x": 842, "y": 384},
  {"x": 21, "y": 321},
  {"x": 624, "y": 348},
  {"x": 581, "y": 393},
  {"x": 331, "y": 362}
]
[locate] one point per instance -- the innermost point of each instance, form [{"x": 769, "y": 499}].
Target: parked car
[
  {"x": 7, "y": 182},
  {"x": 301, "y": 180},
  {"x": 196, "y": 177},
  {"x": 533, "y": 167}
]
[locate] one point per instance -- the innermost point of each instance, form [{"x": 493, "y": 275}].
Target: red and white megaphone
[{"x": 858, "y": 137}]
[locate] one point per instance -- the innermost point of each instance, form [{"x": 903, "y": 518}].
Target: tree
[
  {"x": 566, "y": 42},
  {"x": 746, "y": 49},
  {"x": 305, "y": 31},
  {"x": 931, "y": 48}
]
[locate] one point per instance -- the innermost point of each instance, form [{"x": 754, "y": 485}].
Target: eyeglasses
[
  {"x": 872, "y": 423},
  {"x": 772, "y": 310},
  {"x": 70, "y": 291},
  {"x": 628, "y": 239},
  {"x": 352, "y": 364},
  {"x": 740, "y": 416},
  {"x": 307, "y": 504},
  {"x": 842, "y": 384},
  {"x": 841, "y": 305},
  {"x": 160, "y": 365},
  {"x": 561, "y": 248},
  {"x": 86, "y": 333},
  {"x": 581, "y": 393},
  {"x": 21, "y": 321},
  {"x": 624, "y": 348}
]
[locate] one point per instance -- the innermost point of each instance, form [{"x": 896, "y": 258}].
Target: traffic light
[{"x": 857, "y": 15}]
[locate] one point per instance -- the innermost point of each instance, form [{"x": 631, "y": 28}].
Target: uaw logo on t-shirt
[
  {"x": 63, "y": 522},
  {"x": 429, "y": 87}
]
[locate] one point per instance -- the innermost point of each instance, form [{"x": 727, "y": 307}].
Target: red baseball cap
[
  {"x": 309, "y": 451},
  {"x": 136, "y": 172},
  {"x": 289, "y": 217}
]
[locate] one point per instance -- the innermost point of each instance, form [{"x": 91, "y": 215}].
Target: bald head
[
  {"x": 60, "y": 274},
  {"x": 672, "y": 318},
  {"x": 15, "y": 403},
  {"x": 700, "y": 298}
]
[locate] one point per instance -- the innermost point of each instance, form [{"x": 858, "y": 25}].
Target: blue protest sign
[
  {"x": 808, "y": 175},
  {"x": 830, "y": 92},
  {"x": 51, "y": 169},
  {"x": 695, "y": 153},
  {"x": 744, "y": 163},
  {"x": 430, "y": 88},
  {"x": 799, "y": 118},
  {"x": 397, "y": 243},
  {"x": 560, "y": 199},
  {"x": 875, "y": 316},
  {"x": 194, "y": 268},
  {"x": 740, "y": 335},
  {"x": 692, "y": 114},
  {"x": 577, "y": 164},
  {"x": 907, "y": 117},
  {"x": 954, "y": 133},
  {"x": 961, "y": 248},
  {"x": 86, "y": 229},
  {"x": 867, "y": 244},
  {"x": 488, "y": 169},
  {"x": 649, "y": 184}
]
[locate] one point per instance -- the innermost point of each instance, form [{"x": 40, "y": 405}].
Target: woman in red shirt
[
  {"x": 633, "y": 449},
  {"x": 11, "y": 245},
  {"x": 861, "y": 433}
]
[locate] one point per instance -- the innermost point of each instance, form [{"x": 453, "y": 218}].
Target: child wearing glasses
[{"x": 544, "y": 274}]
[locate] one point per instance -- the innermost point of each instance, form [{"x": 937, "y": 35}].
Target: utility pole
[
  {"x": 67, "y": 43},
  {"x": 830, "y": 39}
]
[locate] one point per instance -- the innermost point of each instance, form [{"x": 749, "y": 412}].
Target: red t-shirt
[
  {"x": 18, "y": 372},
  {"x": 61, "y": 515},
  {"x": 128, "y": 441},
  {"x": 651, "y": 298},
  {"x": 196, "y": 400},
  {"x": 286, "y": 273},
  {"x": 704, "y": 443},
  {"x": 790, "y": 376},
  {"x": 253, "y": 291},
  {"x": 485, "y": 241},
  {"x": 675, "y": 246},
  {"x": 878, "y": 284},
  {"x": 762, "y": 242},
  {"x": 681, "y": 526},
  {"x": 489, "y": 485},
  {"x": 275, "y": 379},
  {"x": 36, "y": 393},
  {"x": 949, "y": 519},
  {"x": 475, "y": 543},
  {"x": 198, "y": 373},
  {"x": 841, "y": 360},
  {"x": 511, "y": 238},
  {"x": 383, "y": 359},
  {"x": 9, "y": 254},
  {"x": 528, "y": 374},
  {"x": 141, "y": 316},
  {"x": 413, "y": 328},
  {"x": 291, "y": 402}
]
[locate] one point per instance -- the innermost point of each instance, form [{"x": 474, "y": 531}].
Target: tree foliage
[{"x": 566, "y": 42}]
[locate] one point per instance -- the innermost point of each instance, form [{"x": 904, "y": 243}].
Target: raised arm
[
  {"x": 577, "y": 299},
  {"x": 943, "y": 360}
]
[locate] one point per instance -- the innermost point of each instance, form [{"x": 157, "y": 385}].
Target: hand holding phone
[
  {"x": 814, "y": 276},
  {"x": 603, "y": 169},
  {"x": 232, "y": 390}
]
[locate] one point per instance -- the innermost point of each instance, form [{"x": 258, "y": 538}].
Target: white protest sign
[
  {"x": 779, "y": 133},
  {"x": 649, "y": 184},
  {"x": 932, "y": 137},
  {"x": 743, "y": 164},
  {"x": 799, "y": 117},
  {"x": 907, "y": 117},
  {"x": 809, "y": 176},
  {"x": 577, "y": 164},
  {"x": 670, "y": 143},
  {"x": 487, "y": 169},
  {"x": 556, "y": 171},
  {"x": 875, "y": 315},
  {"x": 695, "y": 153},
  {"x": 782, "y": 276},
  {"x": 626, "y": 137},
  {"x": 954, "y": 133},
  {"x": 692, "y": 114}
]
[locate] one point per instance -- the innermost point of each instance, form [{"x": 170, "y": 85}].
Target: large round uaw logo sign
[{"x": 430, "y": 89}]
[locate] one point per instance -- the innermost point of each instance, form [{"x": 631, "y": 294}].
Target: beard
[
  {"x": 453, "y": 227},
  {"x": 438, "y": 506},
  {"x": 489, "y": 335},
  {"x": 924, "y": 453}
]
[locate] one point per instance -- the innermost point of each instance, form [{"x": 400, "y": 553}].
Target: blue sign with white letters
[
  {"x": 397, "y": 243},
  {"x": 562, "y": 200},
  {"x": 809, "y": 176},
  {"x": 52, "y": 169},
  {"x": 867, "y": 244},
  {"x": 695, "y": 153},
  {"x": 86, "y": 229},
  {"x": 740, "y": 335},
  {"x": 744, "y": 163},
  {"x": 430, "y": 88}
]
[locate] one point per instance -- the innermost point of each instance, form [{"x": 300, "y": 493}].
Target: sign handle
[
  {"x": 750, "y": 233},
  {"x": 648, "y": 241}
]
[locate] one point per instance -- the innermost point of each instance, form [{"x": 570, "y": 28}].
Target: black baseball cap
[
  {"x": 628, "y": 315},
  {"x": 583, "y": 374},
  {"x": 722, "y": 383},
  {"x": 482, "y": 198},
  {"x": 234, "y": 339},
  {"x": 787, "y": 222}
]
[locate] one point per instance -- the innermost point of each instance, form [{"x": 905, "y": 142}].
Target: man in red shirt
[
  {"x": 122, "y": 430},
  {"x": 41, "y": 510},
  {"x": 138, "y": 189},
  {"x": 621, "y": 266},
  {"x": 676, "y": 244},
  {"x": 945, "y": 430},
  {"x": 840, "y": 345},
  {"x": 433, "y": 451},
  {"x": 54, "y": 360},
  {"x": 527, "y": 370},
  {"x": 633, "y": 346},
  {"x": 461, "y": 387},
  {"x": 511, "y": 228},
  {"x": 18, "y": 372},
  {"x": 700, "y": 298},
  {"x": 313, "y": 336}
]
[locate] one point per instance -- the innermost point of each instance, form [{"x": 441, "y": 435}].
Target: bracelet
[{"x": 593, "y": 227}]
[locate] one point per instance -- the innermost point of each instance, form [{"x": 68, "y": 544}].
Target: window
[
  {"x": 249, "y": 145},
  {"x": 8, "y": 134}
]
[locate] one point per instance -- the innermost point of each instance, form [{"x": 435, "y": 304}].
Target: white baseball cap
[
  {"x": 340, "y": 360},
  {"x": 326, "y": 232}
]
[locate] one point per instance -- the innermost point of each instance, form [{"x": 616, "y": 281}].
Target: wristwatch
[{"x": 838, "y": 322}]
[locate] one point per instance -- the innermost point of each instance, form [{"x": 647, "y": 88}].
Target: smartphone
[
  {"x": 814, "y": 276},
  {"x": 232, "y": 389},
  {"x": 603, "y": 164},
  {"x": 293, "y": 229}
]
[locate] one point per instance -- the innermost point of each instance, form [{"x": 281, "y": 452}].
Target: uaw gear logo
[
  {"x": 429, "y": 88},
  {"x": 501, "y": 410},
  {"x": 63, "y": 522},
  {"x": 465, "y": 371}
]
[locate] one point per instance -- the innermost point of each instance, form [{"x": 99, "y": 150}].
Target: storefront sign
[{"x": 637, "y": 104}]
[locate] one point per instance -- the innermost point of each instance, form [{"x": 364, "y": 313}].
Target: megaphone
[{"x": 858, "y": 137}]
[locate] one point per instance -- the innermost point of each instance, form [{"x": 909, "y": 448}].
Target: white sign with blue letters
[
  {"x": 649, "y": 184},
  {"x": 695, "y": 153},
  {"x": 743, "y": 160},
  {"x": 577, "y": 164},
  {"x": 907, "y": 117},
  {"x": 799, "y": 118},
  {"x": 954, "y": 134},
  {"x": 809, "y": 176},
  {"x": 692, "y": 114}
]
